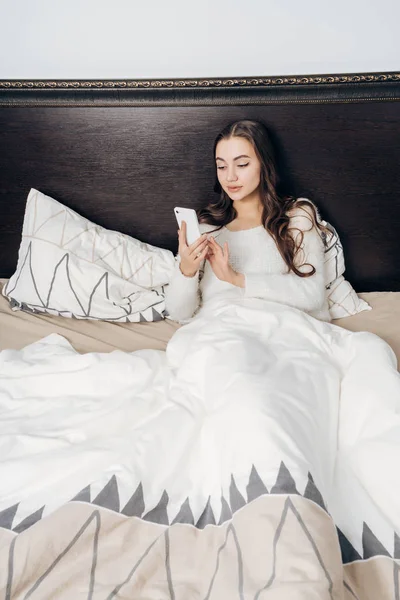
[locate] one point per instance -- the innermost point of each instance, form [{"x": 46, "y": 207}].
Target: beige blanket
[{"x": 276, "y": 547}]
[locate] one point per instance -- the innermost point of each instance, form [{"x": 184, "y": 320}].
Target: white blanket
[{"x": 250, "y": 397}]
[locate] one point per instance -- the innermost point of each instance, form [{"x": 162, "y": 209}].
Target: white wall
[{"x": 78, "y": 39}]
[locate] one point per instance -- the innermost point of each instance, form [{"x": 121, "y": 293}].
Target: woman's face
[{"x": 237, "y": 167}]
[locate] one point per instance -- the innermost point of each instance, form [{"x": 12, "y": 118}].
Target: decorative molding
[
  {"x": 237, "y": 91},
  {"x": 350, "y": 78}
]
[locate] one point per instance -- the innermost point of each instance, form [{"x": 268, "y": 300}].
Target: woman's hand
[
  {"x": 219, "y": 260},
  {"x": 191, "y": 256}
]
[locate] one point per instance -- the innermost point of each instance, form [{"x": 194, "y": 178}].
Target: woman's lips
[{"x": 234, "y": 189}]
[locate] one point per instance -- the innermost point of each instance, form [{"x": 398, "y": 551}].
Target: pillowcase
[
  {"x": 70, "y": 267},
  {"x": 342, "y": 298}
]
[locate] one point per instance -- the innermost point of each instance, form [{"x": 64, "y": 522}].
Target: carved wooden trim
[
  {"x": 201, "y": 83},
  {"x": 298, "y": 89}
]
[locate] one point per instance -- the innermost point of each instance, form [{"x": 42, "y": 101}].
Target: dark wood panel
[{"x": 127, "y": 167}]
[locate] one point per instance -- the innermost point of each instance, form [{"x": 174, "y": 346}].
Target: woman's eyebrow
[{"x": 236, "y": 157}]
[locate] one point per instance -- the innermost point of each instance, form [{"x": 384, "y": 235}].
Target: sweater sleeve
[
  {"x": 305, "y": 293},
  {"x": 182, "y": 295}
]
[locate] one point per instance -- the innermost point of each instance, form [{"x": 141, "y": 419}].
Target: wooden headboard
[{"x": 124, "y": 153}]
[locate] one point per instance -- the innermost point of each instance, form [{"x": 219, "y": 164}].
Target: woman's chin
[{"x": 235, "y": 195}]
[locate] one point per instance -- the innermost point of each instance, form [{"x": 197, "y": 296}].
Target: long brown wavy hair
[{"x": 276, "y": 209}]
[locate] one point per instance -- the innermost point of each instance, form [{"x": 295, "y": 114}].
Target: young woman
[{"x": 265, "y": 246}]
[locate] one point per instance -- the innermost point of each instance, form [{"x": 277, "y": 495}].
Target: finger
[
  {"x": 201, "y": 240},
  {"x": 215, "y": 244},
  {"x": 201, "y": 255},
  {"x": 199, "y": 247},
  {"x": 226, "y": 250},
  {"x": 198, "y": 242},
  {"x": 182, "y": 234}
]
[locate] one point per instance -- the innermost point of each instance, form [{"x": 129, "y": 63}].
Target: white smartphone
[{"x": 188, "y": 215}]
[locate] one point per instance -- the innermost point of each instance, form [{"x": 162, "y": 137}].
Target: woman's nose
[{"x": 231, "y": 175}]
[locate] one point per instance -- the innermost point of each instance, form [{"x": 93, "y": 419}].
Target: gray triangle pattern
[
  {"x": 396, "y": 546},
  {"x": 83, "y": 495},
  {"x": 285, "y": 484},
  {"x": 26, "y": 308},
  {"x": 14, "y": 303},
  {"x": 109, "y": 497},
  {"x": 349, "y": 553},
  {"x": 159, "y": 513},
  {"x": 7, "y": 516},
  {"x": 371, "y": 545},
  {"x": 206, "y": 517},
  {"x": 156, "y": 315},
  {"x": 235, "y": 497},
  {"x": 255, "y": 487},
  {"x": 312, "y": 492},
  {"x": 185, "y": 514},
  {"x": 135, "y": 507},
  {"x": 29, "y": 521}
]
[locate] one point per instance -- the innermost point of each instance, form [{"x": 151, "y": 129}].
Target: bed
[{"x": 122, "y": 154}]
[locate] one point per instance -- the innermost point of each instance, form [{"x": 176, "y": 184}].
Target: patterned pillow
[
  {"x": 342, "y": 298},
  {"x": 69, "y": 266}
]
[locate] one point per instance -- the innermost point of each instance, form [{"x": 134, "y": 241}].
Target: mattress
[
  {"x": 19, "y": 328},
  {"x": 383, "y": 319}
]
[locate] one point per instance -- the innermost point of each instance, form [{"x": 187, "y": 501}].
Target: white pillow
[
  {"x": 342, "y": 298},
  {"x": 69, "y": 266}
]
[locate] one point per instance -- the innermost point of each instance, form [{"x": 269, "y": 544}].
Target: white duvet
[{"x": 246, "y": 384}]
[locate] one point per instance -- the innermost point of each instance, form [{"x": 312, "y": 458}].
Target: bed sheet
[{"x": 18, "y": 329}]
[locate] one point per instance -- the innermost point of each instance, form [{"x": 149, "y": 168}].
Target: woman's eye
[{"x": 238, "y": 166}]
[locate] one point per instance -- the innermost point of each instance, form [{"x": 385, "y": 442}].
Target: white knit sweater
[{"x": 254, "y": 253}]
